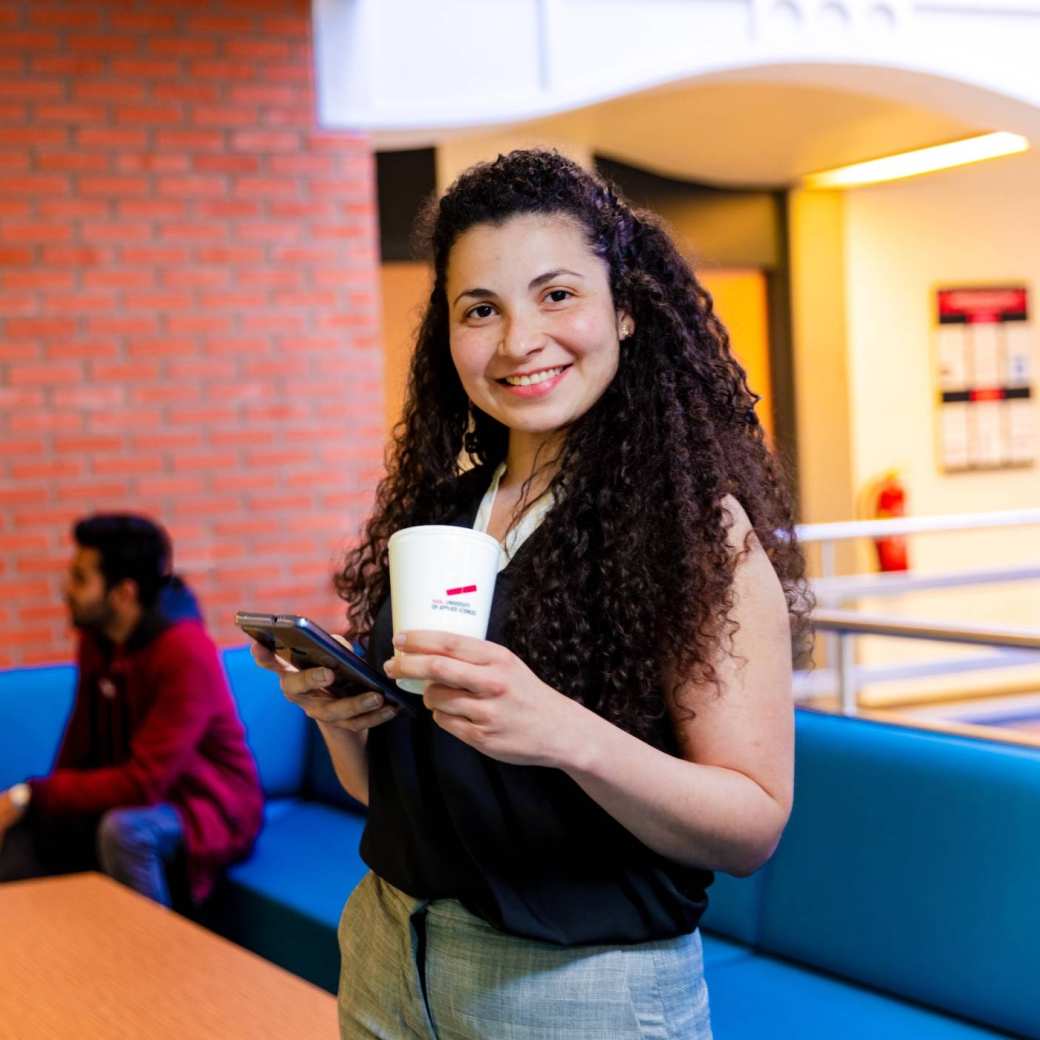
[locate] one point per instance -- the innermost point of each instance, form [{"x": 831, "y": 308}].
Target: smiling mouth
[{"x": 533, "y": 378}]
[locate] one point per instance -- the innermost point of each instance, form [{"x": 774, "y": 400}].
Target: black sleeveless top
[{"x": 523, "y": 847}]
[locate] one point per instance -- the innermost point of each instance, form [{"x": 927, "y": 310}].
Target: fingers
[
  {"x": 445, "y": 671},
  {"x": 353, "y": 713},
  {"x": 449, "y": 644}
]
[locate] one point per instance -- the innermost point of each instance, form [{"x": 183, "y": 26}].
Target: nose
[{"x": 521, "y": 338}]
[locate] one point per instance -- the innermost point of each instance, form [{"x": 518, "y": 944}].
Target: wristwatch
[{"x": 20, "y": 795}]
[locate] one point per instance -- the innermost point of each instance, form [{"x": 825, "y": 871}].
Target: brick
[
  {"x": 63, "y": 17},
  {"x": 232, "y": 254},
  {"x": 13, "y": 256},
  {"x": 99, "y": 492},
  {"x": 14, "y": 449},
  {"x": 192, "y": 186},
  {"x": 152, "y": 163},
  {"x": 224, "y": 115},
  {"x": 76, "y": 66},
  {"x": 117, "y": 231},
  {"x": 289, "y": 72},
  {"x": 220, "y": 25},
  {"x": 128, "y": 278},
  {"x": 262, "y": 94},
  {"x": 153, "y": 209},
  {"x": 89, "y": 398},
  {"x": 23, "y": 543},
  {"x": 72, "y": 162},
  {"x": 77, "y": 113},
  {"x": 128, "y": 466},
  {"x": 86, "y": 444},
  {"x": 15, "y": 351},
  {"x": 230, "y": 208},
  {"x": 161, "y": 254},
  {"x": 145, "y": 68},
  {"x": 225, "y": 71},
  {"x": 225, "y": 460},
  {"x": 149, "y": 115},
  {"x": 123, "y": 325},
  {"x": 59, "y": 470},
  {"x": 36, "y": 422},
  {"x": 114, "y": 185},
  {"x": 195, "y": 276},
  {"x": 205, "y": 92},
  {"x": 181, "y": 484},
  {"x": 111, "y": 139},
  {"x": 303, "y": 164},
  {"x": 35, "y": 184},
  {"x": 190, "y": 140},
  {"x": 160, "y": 346},
  {"x": 181, "y": 440},
  {"x": 234, "y": 299},
  {"x": 108, "y": 421},
  {"x": 15, "y": 209},
  {"x": 24, "y": 232},
  {"x": 10, "y": 496},
  {"x": 33, "y": 136},
  {"x": 163, "y": 395},
  {"x": 277, "y": 25},
  {"x": 13, "y": 114},
  {"x": 198, "y": 370},
  {"x": 272, "y": 232},
  {"x": 12, "y": 590},
  {"x": 40, "y": 278},
  {"x": 265, "y": 141},
  {"x": 183, "y": 46},
  {"x": 31, "y": 615},
  {"x": 157, "y": 300},
  {"x": 193, "y": 232},
  {"x": 49, "y": 374},
  {"x": 202, "y": 416},
  {"x": 141, "y": 22},
  {"x": 107, "y": 44},
  {"x": 258, "y": 50},
  {"x": 198, "y": 323},
  {"x": 84, "y": 349},
  {"x": 19, "y": 302},
  {"x": 115, "y": 91},
  {"x": 80, "y": 302},
  {"x": 226, "y": 163}
]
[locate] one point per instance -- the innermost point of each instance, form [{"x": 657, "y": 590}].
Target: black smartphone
[{"x": 310, "y": 646}]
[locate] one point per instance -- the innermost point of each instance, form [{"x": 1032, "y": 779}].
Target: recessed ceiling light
[{"x": 921, "y": 160}]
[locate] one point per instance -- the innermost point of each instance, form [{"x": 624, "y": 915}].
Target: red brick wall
[{"x": 188, "y": 304}]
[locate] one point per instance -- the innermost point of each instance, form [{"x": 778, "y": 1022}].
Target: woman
[{"x": 542, "y": 837}]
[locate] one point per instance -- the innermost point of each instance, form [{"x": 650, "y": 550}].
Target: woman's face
[{"x": 534, "y": 331}]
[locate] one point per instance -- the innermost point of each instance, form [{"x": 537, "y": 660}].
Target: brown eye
[
  {"x": 558, "y": 295},
  {"x": 482, "y": 310}
]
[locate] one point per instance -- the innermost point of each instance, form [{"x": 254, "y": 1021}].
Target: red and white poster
[{"x": 986, "y": 346}]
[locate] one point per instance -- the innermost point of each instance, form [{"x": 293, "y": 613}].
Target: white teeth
[{"x": 535, "y": 377}]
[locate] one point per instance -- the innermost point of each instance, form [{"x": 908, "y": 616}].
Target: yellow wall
[{"x": 866, "y": 393}]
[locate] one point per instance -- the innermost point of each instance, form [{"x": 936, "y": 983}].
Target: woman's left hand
[{"x": 486, "y": 696}]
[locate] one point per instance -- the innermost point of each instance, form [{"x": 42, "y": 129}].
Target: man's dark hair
[{"x": 130, "y": 547}]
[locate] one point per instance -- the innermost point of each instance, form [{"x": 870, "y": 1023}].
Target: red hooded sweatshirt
[{"x": 153, "y": 721}]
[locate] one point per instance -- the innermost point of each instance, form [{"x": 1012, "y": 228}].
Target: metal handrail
[
  {"x": 845, "y": 624},
  {"x": 848, "y": 529},
  {"x": 898, "y": 583}
]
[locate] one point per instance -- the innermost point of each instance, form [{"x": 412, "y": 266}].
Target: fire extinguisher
[{"x": 887, "y": 498}]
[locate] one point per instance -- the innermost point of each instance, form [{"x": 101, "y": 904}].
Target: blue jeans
[{"x": 139, "y": 846}]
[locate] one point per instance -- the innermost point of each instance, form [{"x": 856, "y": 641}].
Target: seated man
[{"x": 154, "y": 783}]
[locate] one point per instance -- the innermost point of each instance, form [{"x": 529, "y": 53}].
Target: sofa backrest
[
  {"x": 34, "y": 706},
  {"x": 912, "y": 863},
  {"x": 276, "y": 730}
]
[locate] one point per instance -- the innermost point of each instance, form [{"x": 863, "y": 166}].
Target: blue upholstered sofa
[{"x": 903, "y": 902}]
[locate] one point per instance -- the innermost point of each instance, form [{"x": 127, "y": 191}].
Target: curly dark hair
[{"x": 633, "y": 568}]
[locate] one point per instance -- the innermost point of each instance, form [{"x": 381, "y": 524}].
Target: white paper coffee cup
[{"x": 441, "y": 579}]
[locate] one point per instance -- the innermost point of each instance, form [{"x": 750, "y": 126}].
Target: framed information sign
[{"x": 985, "y": 350}]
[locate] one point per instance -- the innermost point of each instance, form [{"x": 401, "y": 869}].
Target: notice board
[{"x": 985, "y": 360}]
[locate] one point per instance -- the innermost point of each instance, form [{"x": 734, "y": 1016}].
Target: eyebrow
[{"x": 484, "y": 294}]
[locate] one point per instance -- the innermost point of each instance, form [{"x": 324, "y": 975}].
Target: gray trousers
[{"x": 416, "y": 970}]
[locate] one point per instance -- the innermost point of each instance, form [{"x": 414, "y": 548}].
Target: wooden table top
[{"x": 84, "y": 957}]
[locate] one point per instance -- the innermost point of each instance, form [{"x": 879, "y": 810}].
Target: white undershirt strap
[{"x": 519, "y": 533}]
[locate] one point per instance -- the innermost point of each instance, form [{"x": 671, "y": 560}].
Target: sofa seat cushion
[
  {"x": 284, "y": 902},
  {"x": 758, "y": 997}
]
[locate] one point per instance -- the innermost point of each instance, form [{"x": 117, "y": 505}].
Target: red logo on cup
[{"x": 461, "y": 590}]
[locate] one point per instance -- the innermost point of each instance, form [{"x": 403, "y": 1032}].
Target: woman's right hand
[{"x": 309, "y": 689}]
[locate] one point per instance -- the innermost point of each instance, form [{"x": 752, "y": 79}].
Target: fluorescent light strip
[{"x": 921, "y": 160}]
